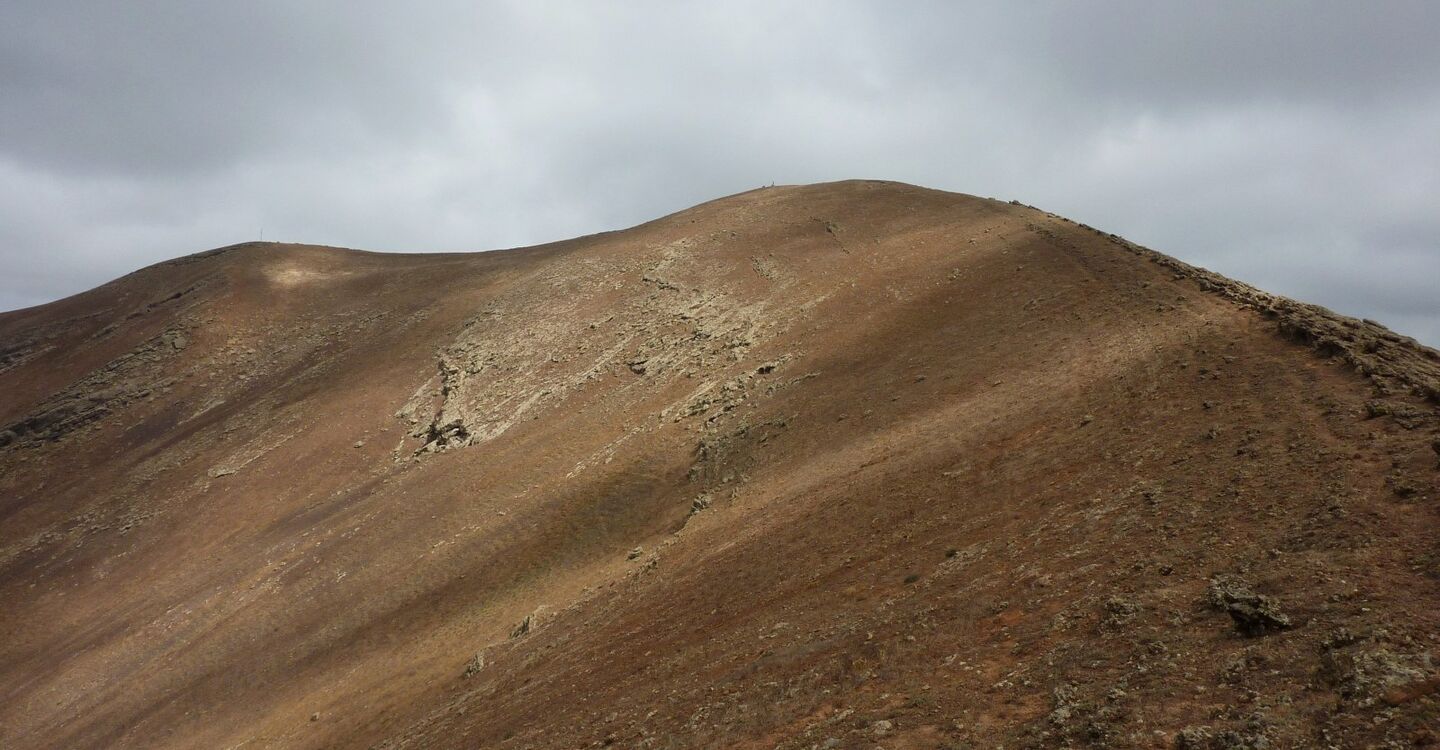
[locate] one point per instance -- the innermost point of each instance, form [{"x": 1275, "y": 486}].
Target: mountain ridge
[{"x": 840, "y": 462}]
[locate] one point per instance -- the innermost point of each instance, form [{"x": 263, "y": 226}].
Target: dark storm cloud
[{"x": 1291, "y": 145}]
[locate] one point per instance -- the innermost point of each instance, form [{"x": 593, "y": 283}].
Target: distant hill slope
[{"x": 841, "y": 465}]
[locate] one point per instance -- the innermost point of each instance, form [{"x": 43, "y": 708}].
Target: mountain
[{"x": 841, "y": 465}]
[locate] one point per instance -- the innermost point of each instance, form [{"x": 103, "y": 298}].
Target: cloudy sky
[{"x": 1292, "y": 145}]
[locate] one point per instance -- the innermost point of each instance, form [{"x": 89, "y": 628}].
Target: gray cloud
[{"x": 1288, "y": 144}]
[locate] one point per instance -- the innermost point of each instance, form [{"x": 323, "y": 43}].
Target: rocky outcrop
[{"x": 135, "y": 375}]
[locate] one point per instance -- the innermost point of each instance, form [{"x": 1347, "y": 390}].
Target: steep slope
[{"x": 823, "y": 466}]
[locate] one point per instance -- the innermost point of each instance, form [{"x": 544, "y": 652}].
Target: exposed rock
[
  {"x": 1404, "y": 415},
  {"x": 1254, "y": 614},
  {"x": 1368, "y": 671},
  {"x": 101, "y": 393},
  {"x": 1376, "y": 408},
  {"x": 1119, "y": 611},
  {"x": 530, "y": 623},
  {"x": 1076, "y": 720},
  {"x": 1251, "y": 735},
  {"x": 1194, "y": 738}
]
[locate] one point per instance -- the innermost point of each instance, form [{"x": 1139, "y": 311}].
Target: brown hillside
[{"x": 843, "y": 465}]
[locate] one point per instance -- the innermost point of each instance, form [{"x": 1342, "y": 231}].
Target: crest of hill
[{"x": 823, "y": 465}]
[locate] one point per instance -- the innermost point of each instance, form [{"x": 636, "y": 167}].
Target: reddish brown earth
[{"x": 848, "y": 465}]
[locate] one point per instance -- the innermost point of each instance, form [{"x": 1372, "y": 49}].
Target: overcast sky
[{"x": 1295, "y": 146}]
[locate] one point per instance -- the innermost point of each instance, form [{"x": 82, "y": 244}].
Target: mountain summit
[{"x": 806, "y": 467}]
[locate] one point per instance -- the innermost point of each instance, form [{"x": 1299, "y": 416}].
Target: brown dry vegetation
[{"x": 845, "y": 465}]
